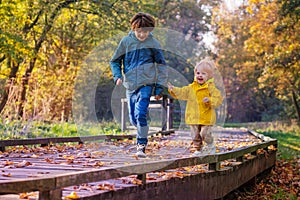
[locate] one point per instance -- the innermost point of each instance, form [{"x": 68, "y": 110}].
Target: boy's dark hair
[{"x": 142, "y": 20}]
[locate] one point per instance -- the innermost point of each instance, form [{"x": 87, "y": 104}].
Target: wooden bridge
[{"x": 104, "y": 167}]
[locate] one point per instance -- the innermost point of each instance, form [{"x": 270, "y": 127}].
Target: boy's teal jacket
[{"x": 143, "y": 63}]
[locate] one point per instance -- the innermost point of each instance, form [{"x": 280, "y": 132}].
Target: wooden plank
[
  {"x": 4, "y": 143},
  {"x": 61, "y": 140},
  {"x": 28, "y": 185}
]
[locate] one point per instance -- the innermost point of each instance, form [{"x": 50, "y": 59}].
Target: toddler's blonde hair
[{"x": 207, "y": 65}]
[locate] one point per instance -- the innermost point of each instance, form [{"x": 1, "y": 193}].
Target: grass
[{"x": 22, "y": 130}]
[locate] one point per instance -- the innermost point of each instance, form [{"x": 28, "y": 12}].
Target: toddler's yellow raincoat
[{"x": 198, "y": 112}]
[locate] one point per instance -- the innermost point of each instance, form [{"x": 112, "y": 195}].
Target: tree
[
  {"x": 41, "y": 44},
  {"x": 275, "y": 37},
  {"x": 241, "y": 68},
  {"x": 193, "y": 20}
]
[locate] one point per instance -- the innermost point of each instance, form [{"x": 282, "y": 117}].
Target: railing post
[
  {"x": 2, "y": 148},
  {"x": 240, "y": 159},
  {"x": 123, "y": 118},
  {"x": 169, "y": 114},
  {"x": 142, "y": 177},
  {"x": 214, "y": 166},
  {"x": 164, "y": 115},
  {"x": 50, "y": 195},
  {"x": 254, "y": 153}
]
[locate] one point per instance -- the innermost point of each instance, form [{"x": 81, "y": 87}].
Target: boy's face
[
  {"x": 201, "y": 75},
  {"x": 141, "y": 34}
]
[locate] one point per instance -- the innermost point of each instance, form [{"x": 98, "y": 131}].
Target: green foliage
[
  {"x": 12, "y": 43},
  {"x": 21, "y": 130},
  {"x": 11, "y": 130}
]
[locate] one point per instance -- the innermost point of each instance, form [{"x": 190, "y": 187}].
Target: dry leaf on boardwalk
[
  {"x": 7, "y": 175},
  {"x": 22, "y": 164},
  {"x": 73, "y": 195},
  {"x": 27, "y": 195},
  {"x": 106, "y": 186}
]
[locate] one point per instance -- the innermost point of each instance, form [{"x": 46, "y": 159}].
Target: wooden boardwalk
[{"x": 104, "y": 169}]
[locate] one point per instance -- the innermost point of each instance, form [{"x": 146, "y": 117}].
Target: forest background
[{"x": 44, "y": 44}]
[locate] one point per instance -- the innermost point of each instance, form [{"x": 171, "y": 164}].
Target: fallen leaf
[
  {"x": 106, "y": 186},
  {"x": 34, "y": 156},
  {"x": 27, "y": 195},
  {"x": 73, "y": 195},
  {"x": 24, "y": 163},
  {"x": 136, "y": 181},
  {"x": 7, "y": 175},
  {"x": 8, "y": 163}
]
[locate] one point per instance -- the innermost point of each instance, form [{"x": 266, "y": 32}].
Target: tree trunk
[
  {"x": 297, "y": 107},
  {"x": 24, "y": 85},
  {"x": 13, "y": 74},
  {"x": 37, "y": 47}
]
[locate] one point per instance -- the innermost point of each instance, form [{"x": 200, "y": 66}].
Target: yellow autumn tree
[
  {"x": 240, "y": 68},
  {"x": 274, "y": 29},
  {"x": 258, "y": 52}
]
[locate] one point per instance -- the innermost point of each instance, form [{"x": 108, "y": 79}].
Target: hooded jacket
[
  {"x": 143, "y": 63},
  {"x": 198, "y": 112}
]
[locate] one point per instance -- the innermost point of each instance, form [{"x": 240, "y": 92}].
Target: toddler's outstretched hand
[{"x": 170, "y": 86}]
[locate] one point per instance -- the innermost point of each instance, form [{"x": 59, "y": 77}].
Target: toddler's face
[
  {"x": 141, "y": 34},
  {"x": 201, "y": 75}
]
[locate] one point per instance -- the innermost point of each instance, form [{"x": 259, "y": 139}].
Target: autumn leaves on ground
[{"x": 283, "y": 183}]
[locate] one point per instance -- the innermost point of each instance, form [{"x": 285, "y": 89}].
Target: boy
[
  {"x": 144, "y": 70},
  {"x": 202, "y": 98}
]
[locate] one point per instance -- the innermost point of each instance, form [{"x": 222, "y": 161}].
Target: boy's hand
[
  {"x": 119, "y": 81},
  {"x": 205, "y": 100},
  {"x": 170, "y": 86},
  {"x": 157, "y": 97}
]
